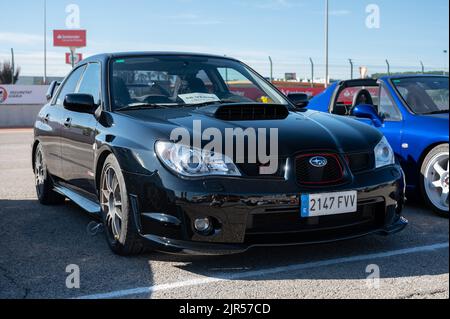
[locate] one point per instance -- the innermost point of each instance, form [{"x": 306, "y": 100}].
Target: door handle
[
  {"x": 46, "y": 118},
  {"x": 68, "y": 122}
]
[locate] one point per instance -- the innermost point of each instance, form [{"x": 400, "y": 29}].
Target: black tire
[
  {"x": 439, "y": 150},
  {"x": 127, "y": 242},
  {"x": 43, "y": 181}
]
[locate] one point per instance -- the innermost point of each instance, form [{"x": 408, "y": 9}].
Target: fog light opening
[{"x": 203, "y": 226}]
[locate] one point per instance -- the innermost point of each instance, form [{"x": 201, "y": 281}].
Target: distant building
[
  {"x": 37, "y": 80},
  {"x": 290, "y": 76}
]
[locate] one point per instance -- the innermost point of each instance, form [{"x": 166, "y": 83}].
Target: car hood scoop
[{"x": 246, "y": 112}]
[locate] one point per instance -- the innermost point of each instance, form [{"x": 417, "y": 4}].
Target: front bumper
[
  {"x": 194, "y": 248},
  {"x": 261, "y": 213}
]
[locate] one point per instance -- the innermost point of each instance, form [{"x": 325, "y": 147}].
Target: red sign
[
  {"x": 69, "y": 38},
  {"x": 77, "y": 58},
  {"x": 3, "y": 95}
]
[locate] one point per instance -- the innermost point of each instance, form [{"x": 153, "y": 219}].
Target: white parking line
[
  {"x": 262, "y": 272},
  {"x": 15, "y": 130}
]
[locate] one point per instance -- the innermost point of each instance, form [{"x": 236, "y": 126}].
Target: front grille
[
  {"x": 307, "y": 174},
  {"x": 360, "y": 162},
  {"x": 251, "y": 112},
  {"x": 254, "y": 170}
]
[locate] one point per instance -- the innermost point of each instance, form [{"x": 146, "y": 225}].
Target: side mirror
[
  {"x": 81, "y": 103},
  {"x": 300, "y": 100},
  {"x": 367, "y": 111},
  {"x": 51, "y": 90}
]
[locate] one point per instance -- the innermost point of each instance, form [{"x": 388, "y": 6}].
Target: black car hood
[{"x": 297, "y": 132}]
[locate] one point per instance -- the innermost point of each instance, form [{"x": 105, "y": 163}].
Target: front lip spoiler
[
  {"x": 179, "y": 247},
  {"x": 396, "y": 227}
]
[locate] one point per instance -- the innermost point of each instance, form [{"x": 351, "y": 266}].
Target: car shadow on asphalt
[
  {"x": 280, "y": 263},
  {"x": 425, "y": 229},
  {"x": 39, "y": 242}
]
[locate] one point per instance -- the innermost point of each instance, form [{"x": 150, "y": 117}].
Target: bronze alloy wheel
[
  {"x": 111, "y": 202},
  {"x": 39, "y": 172}
]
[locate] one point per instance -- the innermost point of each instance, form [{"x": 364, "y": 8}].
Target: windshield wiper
[
  {"x": 142, "y": 106},
  {"x": 213, "y": 102}
]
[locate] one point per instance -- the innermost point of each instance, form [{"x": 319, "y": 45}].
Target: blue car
[{"x": 413, "y": 113}]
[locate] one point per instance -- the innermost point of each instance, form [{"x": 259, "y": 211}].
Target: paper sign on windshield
[{"x": 198, "y": 98}]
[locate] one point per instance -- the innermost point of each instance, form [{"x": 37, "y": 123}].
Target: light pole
[
  {"x": 312, "y": 72},
  {"x": 423, "y": 67},
  {"x": 446, "y": 59},
  {"x": 326, "y": 42},
  {"x": 388, "y": 67},
  {"x": 12, "y": 66},
  {"x": 45, "y": 41},
  {"x": 271, "y": 69},
  {"x": 351, "y": 68}
]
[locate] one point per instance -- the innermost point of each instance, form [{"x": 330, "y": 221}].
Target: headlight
[
  {"x": 192, "y": 162},
  {"x": 384, "y": 155}
]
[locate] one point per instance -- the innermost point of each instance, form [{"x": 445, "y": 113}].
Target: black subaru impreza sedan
[{"x": 198, "y": 154}]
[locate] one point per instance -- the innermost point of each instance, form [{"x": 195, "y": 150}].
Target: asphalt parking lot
[{"x": 38, "y": 243}]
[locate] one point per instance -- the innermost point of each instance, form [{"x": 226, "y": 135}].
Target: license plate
[{"x": 314, "y": 205}]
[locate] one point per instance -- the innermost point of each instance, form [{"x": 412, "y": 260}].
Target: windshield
[
  {"x": 424, "y": 95},
  {"x": 174, "y": 81}
]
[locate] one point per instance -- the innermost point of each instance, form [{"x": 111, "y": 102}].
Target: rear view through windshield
[{"x": 424, "y": 95}]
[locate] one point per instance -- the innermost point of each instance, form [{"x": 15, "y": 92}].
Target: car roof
[{"x": 106, "y": 56}]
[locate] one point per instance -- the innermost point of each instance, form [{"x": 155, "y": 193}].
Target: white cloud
[
  {"x": 273, "y": 4},
  {"x": 184, "y": 16},
  {"x": 201, "y": 22},
  {"x": 334, "y": 13},
  {"x": 32, "y": 62},
  {"x": 340, "y": 12},
  {"x": 192, "y": 19},
  {"x": 20, "y": 38}
]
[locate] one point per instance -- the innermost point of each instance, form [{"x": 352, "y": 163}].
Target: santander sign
[{"x": 69, "y": 38}]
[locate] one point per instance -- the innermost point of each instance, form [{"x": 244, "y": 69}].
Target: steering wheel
[{"x": 161, "y": 90}]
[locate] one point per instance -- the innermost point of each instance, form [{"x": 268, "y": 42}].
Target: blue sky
[{"x": 290, "y": 31}]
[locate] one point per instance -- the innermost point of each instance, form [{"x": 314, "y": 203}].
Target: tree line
[{"x": 6, "y": 73}]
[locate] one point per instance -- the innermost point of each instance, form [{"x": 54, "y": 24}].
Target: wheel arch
[
  {"x": 103, "y": 155},
  {"x": 33, "y": 152},
  {"x": 422, "y": 157},
  {"x": 427, "y": 151},
  {"x": 422, "y": 187}
]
